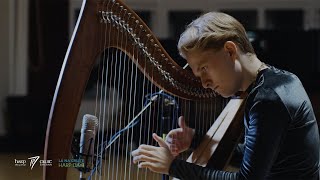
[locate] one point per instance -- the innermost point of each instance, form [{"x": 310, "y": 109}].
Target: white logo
[
  {"x": 33, "y": 161},
  {"x": 46, "y": 162},
  {"x": 18, "y": 162}
]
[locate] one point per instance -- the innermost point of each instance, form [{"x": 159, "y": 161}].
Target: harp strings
[
  {"x": 126, "y": 119},
  {"x": 120, "y": 86},
  {"x": 127, "y": 111}
]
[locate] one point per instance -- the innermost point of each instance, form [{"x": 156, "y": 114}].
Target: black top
[{"x": 281, "y": 134}]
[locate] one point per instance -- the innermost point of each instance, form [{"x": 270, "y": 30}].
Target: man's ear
[{"x": 231, "y": 48}]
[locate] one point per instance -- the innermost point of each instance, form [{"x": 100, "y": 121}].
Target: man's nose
[{"x": 206, "y": 83}]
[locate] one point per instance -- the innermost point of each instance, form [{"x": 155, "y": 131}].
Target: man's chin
[{"x": 225, "y": 95}]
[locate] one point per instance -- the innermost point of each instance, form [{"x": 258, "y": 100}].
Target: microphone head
[
  {"x": 87, "y": 139},
  {"x": 89, "y": 122}
]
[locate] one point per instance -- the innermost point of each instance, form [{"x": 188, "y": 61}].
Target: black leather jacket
[{"x": 281, "y": 134}]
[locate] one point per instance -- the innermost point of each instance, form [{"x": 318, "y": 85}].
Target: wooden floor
[{"x": 9, "y": 171}]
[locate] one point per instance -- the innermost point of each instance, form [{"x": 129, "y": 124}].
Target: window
[
  {"x": 248, "y": 18},
  {"x": 178, "y": 20},
  {"x": 145, "y": 16},
  {"x": 284, "y": 19}
]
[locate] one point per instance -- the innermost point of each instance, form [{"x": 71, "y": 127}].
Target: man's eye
[{"x": 204, "y": 69}]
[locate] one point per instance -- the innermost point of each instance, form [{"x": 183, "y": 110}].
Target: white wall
[
  {"x": 159, "y": 10},
  {"x": 13, "y": 52},
  {"x": 4, "y": 59},
  {"x": 19, "y": 38}
]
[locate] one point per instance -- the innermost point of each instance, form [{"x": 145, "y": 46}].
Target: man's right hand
[{"x": 179, "y": 140}]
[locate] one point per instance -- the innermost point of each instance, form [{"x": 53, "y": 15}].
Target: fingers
[
  {"x": 175, "y": 133},
  {"x": 181, "y": 122},
  {"x": 143, "y": 158},
  {"x": 175, "y": 136},
  {"x": 171, "y": 140},
  {"x": 160, "y": 141},
  {"x": 174, "y": 151},
  {"x": 159, "y": 159},
  {"x": 148, "y": 165},
  {"x": 145, "y": 165},
  {"x": 155, "y": 167},
  {"x": 141, "y": 151}
]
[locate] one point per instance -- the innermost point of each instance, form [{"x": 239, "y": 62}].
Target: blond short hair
[{"x": 211, "y": 31}]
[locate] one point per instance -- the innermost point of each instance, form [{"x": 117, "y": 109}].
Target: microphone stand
[{"x": 86, "y": 155}]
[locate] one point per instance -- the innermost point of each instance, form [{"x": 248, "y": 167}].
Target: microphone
[{"x": 88, "y": 132}]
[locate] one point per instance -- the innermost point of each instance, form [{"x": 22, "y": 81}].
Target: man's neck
[{"x": 251, "y": 66}]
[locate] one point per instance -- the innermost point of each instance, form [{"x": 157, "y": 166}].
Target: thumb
[
  {"x": 181, "y": 122},
  {"x": 159, "y": 140}
]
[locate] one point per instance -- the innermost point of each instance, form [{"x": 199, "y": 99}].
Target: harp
[{"x": 112, "y": 41}]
